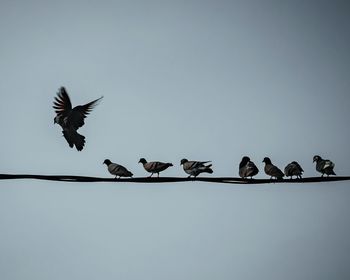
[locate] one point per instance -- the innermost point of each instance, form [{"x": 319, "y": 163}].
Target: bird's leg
[
  {"x": 158, "y": 174},
  {"x": 150, "y": 175}
]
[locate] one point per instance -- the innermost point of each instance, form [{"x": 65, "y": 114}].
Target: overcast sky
[{"x": 204, "y": 80}]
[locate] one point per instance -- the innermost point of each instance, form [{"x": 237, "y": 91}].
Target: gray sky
[{"x": 205, "y": 80}]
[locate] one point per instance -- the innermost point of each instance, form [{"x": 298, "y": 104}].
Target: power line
[{"x": 227, "y": 180}]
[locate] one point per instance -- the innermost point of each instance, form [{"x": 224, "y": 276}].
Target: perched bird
[
  {"x": 117, "y": 169},
  {"x": 71, "y": 119},
  {"x": 324, "y": 166},
  {"x": 272, "y": 170},
  {"x": 154, "y": 166},
  {"x": 194, "y": 168},
  {"x": 293, "y": 169},
  {"x": 247, "y": 168}
]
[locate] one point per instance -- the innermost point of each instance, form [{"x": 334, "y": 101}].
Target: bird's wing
[
  {"x": 62, "y": 104},
  {"x": 156, "y": 166},
  {"x": 287, "y": 169},
  {"x": 191, "y": 165},
  {"x": 278, "y": 172},
  {"x": 328, "y": 163},
  {"x": 79, "y": 113},
  {"x": 113, "y": 168},
  {"x": 300, "y": 168},
  {"x": 273, "y": 170},
  {"x": 196, "y": 164}
]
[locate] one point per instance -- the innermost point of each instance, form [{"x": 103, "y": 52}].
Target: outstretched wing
[
  {"x": 62, "y": 104},
  {"x": 79, "y": 113}
]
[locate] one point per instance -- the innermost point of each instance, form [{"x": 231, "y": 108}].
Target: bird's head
[
  {"x": 142, "y": 160},
  {"x": 183, "y": 161},
  {"x": 245, "y": 159},
  {"x": 267, "y": 160},
  {"x": 316, "y": 158},
  {"x": 107, "y": 162}
]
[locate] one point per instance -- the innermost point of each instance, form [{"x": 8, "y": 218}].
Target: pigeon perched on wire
[
  {"x": 194, "y": 168},
  {"x": 247, "y": 168},
  {"x": 324, "y": 166},
  {"x": 154, "y": 166},
  {"x": 117, "y": 169},
  {"x": 71, "y": 119},
  {"x": 272, "y": 170},
  {"x": 293, "y": 169}
]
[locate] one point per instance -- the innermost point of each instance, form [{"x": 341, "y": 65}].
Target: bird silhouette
[
  {"x": 154, "y": 166},
  {"x": 324, "y": 166},
  {"x": 71, "y": 119},
  {"x": 194, "y": 168},
  {"x": 117, "y": 169},
  {"x": 247, "y": 168},
  {"x": 293, "y": 169},
  {"x": 272, "y": 170}
]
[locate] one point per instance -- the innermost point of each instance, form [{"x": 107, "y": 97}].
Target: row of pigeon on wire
[
  {"x": 247, "y": 168},
  {"x": 72, "y": 118}
]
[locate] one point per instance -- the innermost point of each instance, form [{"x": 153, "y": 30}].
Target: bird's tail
[
  {"x": 79, "y": 141},
  {"x": 208, "y": 169},
  {"x": 74, "y": 138}
]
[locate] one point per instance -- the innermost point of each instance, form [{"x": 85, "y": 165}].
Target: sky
[{"x": 202, "y": 80}]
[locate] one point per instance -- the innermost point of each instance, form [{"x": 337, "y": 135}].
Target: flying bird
[
  {"x": 71, "y": 119},
  {"x": 272, "y": 170},
  {"x": 324, "y": 166},
  {"x": 293, "y": 169},
  {"x": 154, "y": 166},
  {"x": 117, "y": 169},
  {"x": 194, "y": 168},
  {"x": 247, "y": 168}
]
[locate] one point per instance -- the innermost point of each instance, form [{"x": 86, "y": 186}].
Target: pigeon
[
  {"x": 117, "y": 169},
  {"x": 71, "y": 119},
  {"x": 247, "y": 168},
  {"x": 154, "y": 166},
  {"x": 324, "y": 166},
  {"x": 194, "y": 168},
  {"x": 293, "y": 169},
  {"x": 272, "y": 170}
]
